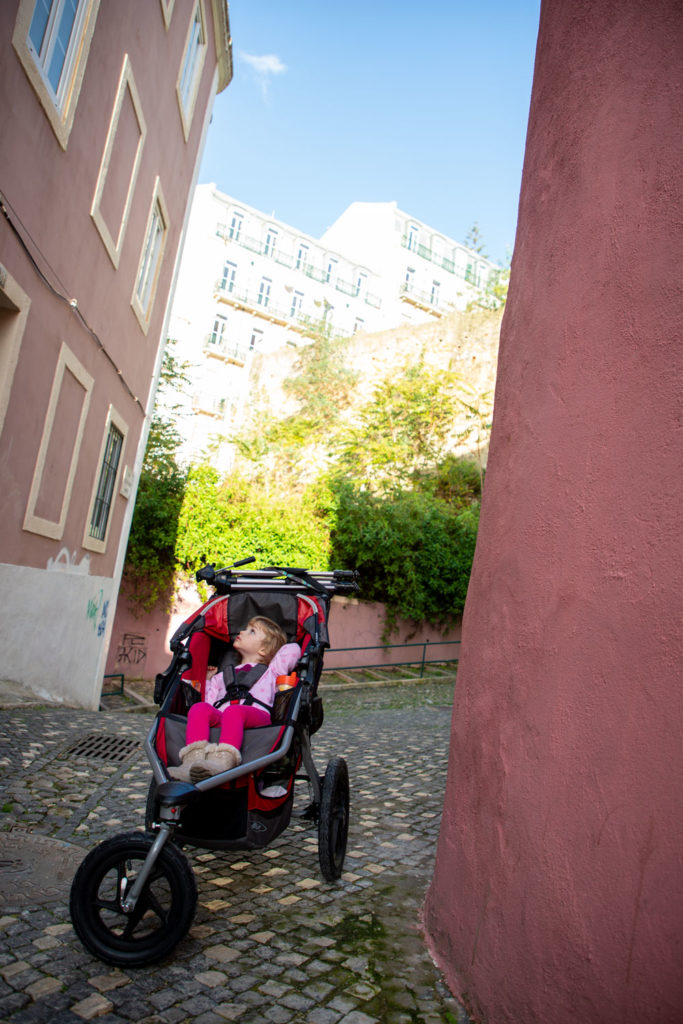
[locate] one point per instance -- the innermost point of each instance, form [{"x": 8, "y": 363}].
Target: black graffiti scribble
[{"x": 132, "y": 649}]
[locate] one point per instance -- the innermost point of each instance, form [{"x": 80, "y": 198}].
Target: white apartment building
[
  {"x": 423, "y": 274},
  {"x": 249, "y": 282}
]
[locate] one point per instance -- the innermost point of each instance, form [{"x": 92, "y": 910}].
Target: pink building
[
  {"x": 105, "y": 107},
  {"x": 557, "y": 894}
]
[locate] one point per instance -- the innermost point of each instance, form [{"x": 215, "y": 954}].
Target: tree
[
  {"x": 150, "y": 557},
  {"x": 475, "y": 241}
]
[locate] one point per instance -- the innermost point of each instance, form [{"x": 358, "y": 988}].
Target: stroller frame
[{"x": 131, "y": 915}]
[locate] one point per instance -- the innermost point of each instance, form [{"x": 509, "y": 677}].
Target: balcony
[
  {"x": 210, "y": 405},
  {"x": 228, "y": 353},
  {"x": 423, "y": 300}
]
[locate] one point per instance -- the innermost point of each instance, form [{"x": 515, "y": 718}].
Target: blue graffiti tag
[{"x": 103, "y": 619}]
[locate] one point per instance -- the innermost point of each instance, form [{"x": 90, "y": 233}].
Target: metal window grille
[{"x": 105, "y": 486}]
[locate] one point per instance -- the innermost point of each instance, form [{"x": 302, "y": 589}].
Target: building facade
[
  {"x": 106, "y": 108},
  {"x": 424, "y": 274},
  {"x": 250, "y": 283}
]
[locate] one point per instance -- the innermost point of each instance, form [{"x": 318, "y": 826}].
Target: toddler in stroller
[
  {"x": 245, "y": 703},
  {"x": 133, "y": 897}
]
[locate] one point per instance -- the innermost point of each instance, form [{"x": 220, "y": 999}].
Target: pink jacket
[{"x": 265, "y": 688}]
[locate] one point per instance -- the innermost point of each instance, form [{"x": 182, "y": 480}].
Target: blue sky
[{"x": 423, "y": 103}]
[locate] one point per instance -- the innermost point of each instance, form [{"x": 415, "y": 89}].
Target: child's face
[{"x": 251, "y": 642}]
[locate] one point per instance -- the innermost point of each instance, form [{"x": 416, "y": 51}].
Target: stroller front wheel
[
  {"x": 333, "y": 823},
  {"x": 162, "y": 915}
]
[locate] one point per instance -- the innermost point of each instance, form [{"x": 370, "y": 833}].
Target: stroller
[{"x": 134, "y": 896}]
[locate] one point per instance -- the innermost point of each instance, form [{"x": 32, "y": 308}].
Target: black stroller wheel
[
  {"x": 163, "y": 913},
  {"x": 333, "y": 823}
]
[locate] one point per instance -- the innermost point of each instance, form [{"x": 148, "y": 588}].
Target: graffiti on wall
[
  {"x": 132, "y": 649},
  {"x": 66, "y": 562},
  {"x": 97, "y": 613}
]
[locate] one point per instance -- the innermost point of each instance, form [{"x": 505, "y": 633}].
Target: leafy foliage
[
  {"x": 150, "y": 558},
  {"x": 385, "y": 496},
  {"x": 402, "y": 428},
  {"x": 222, "y": 520},
  {"x": 413, "y": 550}
]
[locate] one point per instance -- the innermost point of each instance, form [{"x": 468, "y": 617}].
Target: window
[
  {"x": 217, "y": 335},
  {"x": 332, "y": 265},
  {"x": 256, "y": 338},
  {"x": 359, "y": 325},
  {"x": 434, "y": 296},
  {"x": 264, "y": 291},
  {"x": 228, "y": 279},
  {"x": 297, "y": 300},
  {"x": 271, "y": 242},
  {"x": 52, "y": 40},
  {"x": 151, "y": 259},
  {"x": 301, "y": 257},
  {"x": 361, "y": 282},
  {"x": 104, "y": 491},
  {"x": 191, "y": 67},
  {"x": 99, "y": 518},
  {"x": 410, "y": 279},
  {"x": 236, "y": 226},
  {"x": 413, "y": 235}
]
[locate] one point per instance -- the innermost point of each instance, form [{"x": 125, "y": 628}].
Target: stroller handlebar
[{"x": 328, "y": 583}]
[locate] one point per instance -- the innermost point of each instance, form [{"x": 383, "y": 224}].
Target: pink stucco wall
[
  {"x": 139, "y": 646},
  {"x": 557, "y": 894}
]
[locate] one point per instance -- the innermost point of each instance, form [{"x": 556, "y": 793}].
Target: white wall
[{"x": 66, "y": 646}]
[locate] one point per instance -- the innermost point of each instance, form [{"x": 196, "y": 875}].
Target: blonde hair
[{"x": 275, "y": 636}]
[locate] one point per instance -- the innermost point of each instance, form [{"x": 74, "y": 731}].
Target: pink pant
[{"x": 232, "y": 718}]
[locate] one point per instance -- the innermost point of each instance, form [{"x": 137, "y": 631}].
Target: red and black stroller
[{"x": 134, "y": 896}]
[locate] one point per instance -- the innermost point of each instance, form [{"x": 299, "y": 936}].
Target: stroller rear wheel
[
  {"x": 333, "y": 823},
  {"x": 163, "y": 913}
]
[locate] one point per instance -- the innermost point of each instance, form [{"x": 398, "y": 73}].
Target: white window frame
[
  {"x": 191, "y": 66},
  {"x": 126, "y": 84},
  {"x": 228, "y": 276},
  {"x": 264, "y": 292},
  {"x": 256, "y": 338},
  {"x": 114, "y": 419},
  {"x": 270, "y": 243},
  {"x": 413, "y": 234},
  {"x": 151, "y": 259},
  {"x": 302, "y": 255},
  {"x": 297, "y": 304},
  {"x": 32, "y": 522},
  {"x": 167, "y": 11},
  {"x": 236, "y": 225},
  {"x": 60, "y": 105},
  {"x": 16, "y": 305},
  {"x": 217, "y": 336},
  {"x": 332, "y": 269}
]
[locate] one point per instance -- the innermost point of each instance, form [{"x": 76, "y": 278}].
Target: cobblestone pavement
[{"x": 271, "y": 941}]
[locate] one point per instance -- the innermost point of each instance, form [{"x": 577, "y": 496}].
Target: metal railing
[{"x": 421, "y": 661}]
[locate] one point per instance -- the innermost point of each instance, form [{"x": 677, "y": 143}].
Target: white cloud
[{"x": 264, "y": 67}]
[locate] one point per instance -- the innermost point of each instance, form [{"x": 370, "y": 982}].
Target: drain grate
[{"x": 104, "y": 748}]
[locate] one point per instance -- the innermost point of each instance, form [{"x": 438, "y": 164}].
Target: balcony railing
[
  {"x": 210, "y": 405},
  {"x": 220, "y": 349},
  {"x": 423, "y": 300},
  {"x": 467, "y": 273}
]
